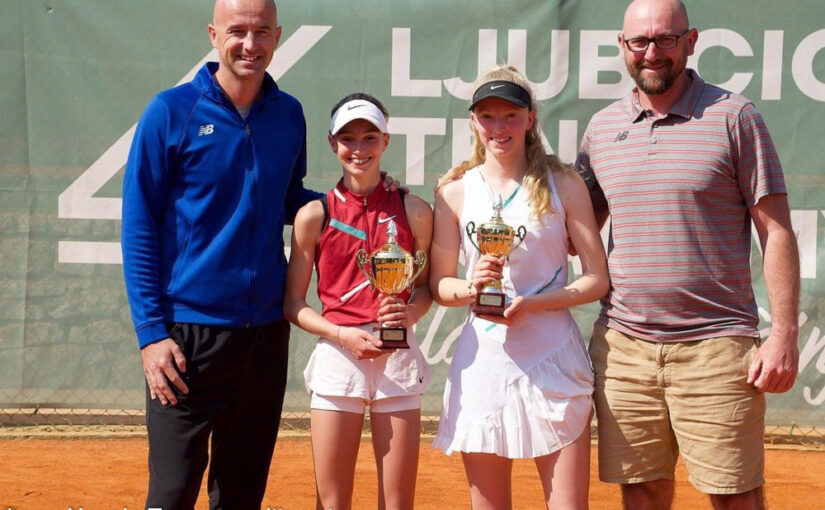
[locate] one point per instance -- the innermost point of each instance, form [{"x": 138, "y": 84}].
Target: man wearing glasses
[{"x": 682, "y": 167}]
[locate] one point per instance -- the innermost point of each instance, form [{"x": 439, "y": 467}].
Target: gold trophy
[
  {"x": 391, "y": 271},
  {"x": 494, "y": 238}
]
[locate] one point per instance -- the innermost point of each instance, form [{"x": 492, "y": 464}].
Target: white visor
[{"x": 354, "y": 110}]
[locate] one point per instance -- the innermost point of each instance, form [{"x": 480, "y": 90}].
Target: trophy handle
[
  {"x": 471, "y": 229},
  {"x": 421, "y": 260},
  {"x": 521, "y": 233},
  {"x": 362, "y": 258}
]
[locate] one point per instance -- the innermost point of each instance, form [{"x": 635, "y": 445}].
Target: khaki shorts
[{"x": 657, "y": 400}]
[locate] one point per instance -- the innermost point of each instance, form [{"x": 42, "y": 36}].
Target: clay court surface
[{"x": 110, "y": 474}]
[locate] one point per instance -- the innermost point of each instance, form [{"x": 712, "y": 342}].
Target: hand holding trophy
[
  {"x": 391, "y": 270},
  {"x": 494, "y": 238}
]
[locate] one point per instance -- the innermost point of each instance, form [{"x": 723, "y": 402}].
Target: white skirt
[{"x": 492, "y": 406}]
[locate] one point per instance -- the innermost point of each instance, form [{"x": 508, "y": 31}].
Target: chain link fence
[{"x": 788, "y": 421}]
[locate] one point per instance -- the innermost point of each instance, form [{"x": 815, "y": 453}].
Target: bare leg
[
  {"x": 336, "y": 436},
  {"x": 751, "y": 500},
  {"x": 490, "y": 481},
  {"x": 652, "y": 495},
  {"x": 395, "y": 440},
  {"x": 565, "y": 475}
]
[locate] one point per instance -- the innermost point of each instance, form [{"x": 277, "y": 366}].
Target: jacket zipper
[{"x": 248, "y": 130}]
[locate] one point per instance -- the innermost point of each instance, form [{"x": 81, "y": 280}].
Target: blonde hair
[{"x": 535, "y": 180}]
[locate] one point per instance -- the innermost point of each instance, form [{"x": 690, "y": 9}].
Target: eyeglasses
[{"x": 663, "y": 42}]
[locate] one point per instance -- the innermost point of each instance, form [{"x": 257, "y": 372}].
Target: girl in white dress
[{"x": 520, "y": 385}]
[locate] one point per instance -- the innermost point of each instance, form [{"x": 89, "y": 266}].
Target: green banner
[{"x": 78, "y": 73}]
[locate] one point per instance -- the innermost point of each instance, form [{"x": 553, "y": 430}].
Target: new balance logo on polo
[
  {"x": 621, "y": 136},
  {"x": 206, "y": 129}
]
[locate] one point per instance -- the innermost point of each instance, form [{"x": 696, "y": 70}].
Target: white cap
[{"x": 354, "y": 110}]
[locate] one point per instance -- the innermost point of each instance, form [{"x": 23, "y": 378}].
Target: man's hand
[
  {"x": 775, "y": 365},
  {"x": 159, "y": 362},
  {"x": 393, "y": 185}
]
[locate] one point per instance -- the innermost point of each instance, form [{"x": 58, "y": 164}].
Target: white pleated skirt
[{"x": 515, "y": 408}]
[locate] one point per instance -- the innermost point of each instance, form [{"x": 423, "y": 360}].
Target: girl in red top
[{"x": 348, "y": 369}]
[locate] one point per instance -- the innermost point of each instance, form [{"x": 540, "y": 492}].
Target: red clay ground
[{"x": 110, "y": 474}]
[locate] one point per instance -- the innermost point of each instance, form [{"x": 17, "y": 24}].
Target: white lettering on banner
[
  {"x": 772, "y": 65},
  {"x": 591, "y": 64},
  {"x": 416, "y": 130},
  {"x": 486, "y": 59},
  {"x": 815, "y": 345},
  {"x": 401, "y": 83},
  {"x": 568, "y": 140},
  {"x": 426, "y": 344},
  {"x": 803, "y": 223},
  {"x": 731, "y": 40},
  {"x": 559, "y": 62},
  {"x": 462, "y": 141},
  {"x": 78, "y": 200},
  {"x": 802, "y": 65},
  {"x": 517, "y": 56}
]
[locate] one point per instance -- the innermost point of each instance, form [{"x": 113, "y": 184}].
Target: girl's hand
[
  {"x": 486, "y": 270},
  {"x": 360, "y": 343},
  {"x": 393, "y": 312},
  {"x": 513, "y": 313}
]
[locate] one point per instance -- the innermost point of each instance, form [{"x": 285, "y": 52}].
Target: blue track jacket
[{"x": 205, "y": 198}]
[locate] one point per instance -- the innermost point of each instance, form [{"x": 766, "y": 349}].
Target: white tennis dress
[{"x": 525, "y": 390}]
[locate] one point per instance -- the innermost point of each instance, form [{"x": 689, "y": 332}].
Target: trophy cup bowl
[
  {"x": 391, "y": 269},
  {"x": 494, "y": 238}
]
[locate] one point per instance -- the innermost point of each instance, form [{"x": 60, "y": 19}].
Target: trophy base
[
  {"x": 489, "y": 303},
  {"x": 393, "y": 338}
]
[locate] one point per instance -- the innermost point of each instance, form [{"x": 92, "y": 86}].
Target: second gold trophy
[
  {"x": 494, "y": 238},
  {"x": 391, "y": 269}
]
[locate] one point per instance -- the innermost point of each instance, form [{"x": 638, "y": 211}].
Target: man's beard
[{"x": 654, "y": 84}]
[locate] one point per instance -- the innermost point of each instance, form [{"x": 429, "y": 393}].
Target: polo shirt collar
[{"x": 684, "y": 107}]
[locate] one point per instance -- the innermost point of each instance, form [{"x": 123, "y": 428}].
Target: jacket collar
[{"x": 205, "y": 82}]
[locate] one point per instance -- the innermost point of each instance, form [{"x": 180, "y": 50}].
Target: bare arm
[
  {"x": 305, "y": 236},
  {"x": 583, "y": 233},
  {"x": 588, "y": 175},
  {"x": 446, "y": 288},
  {"x": 775, "y": 367}
]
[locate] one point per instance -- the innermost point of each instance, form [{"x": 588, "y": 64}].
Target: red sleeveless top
[{"x": 354, "y": 222}]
